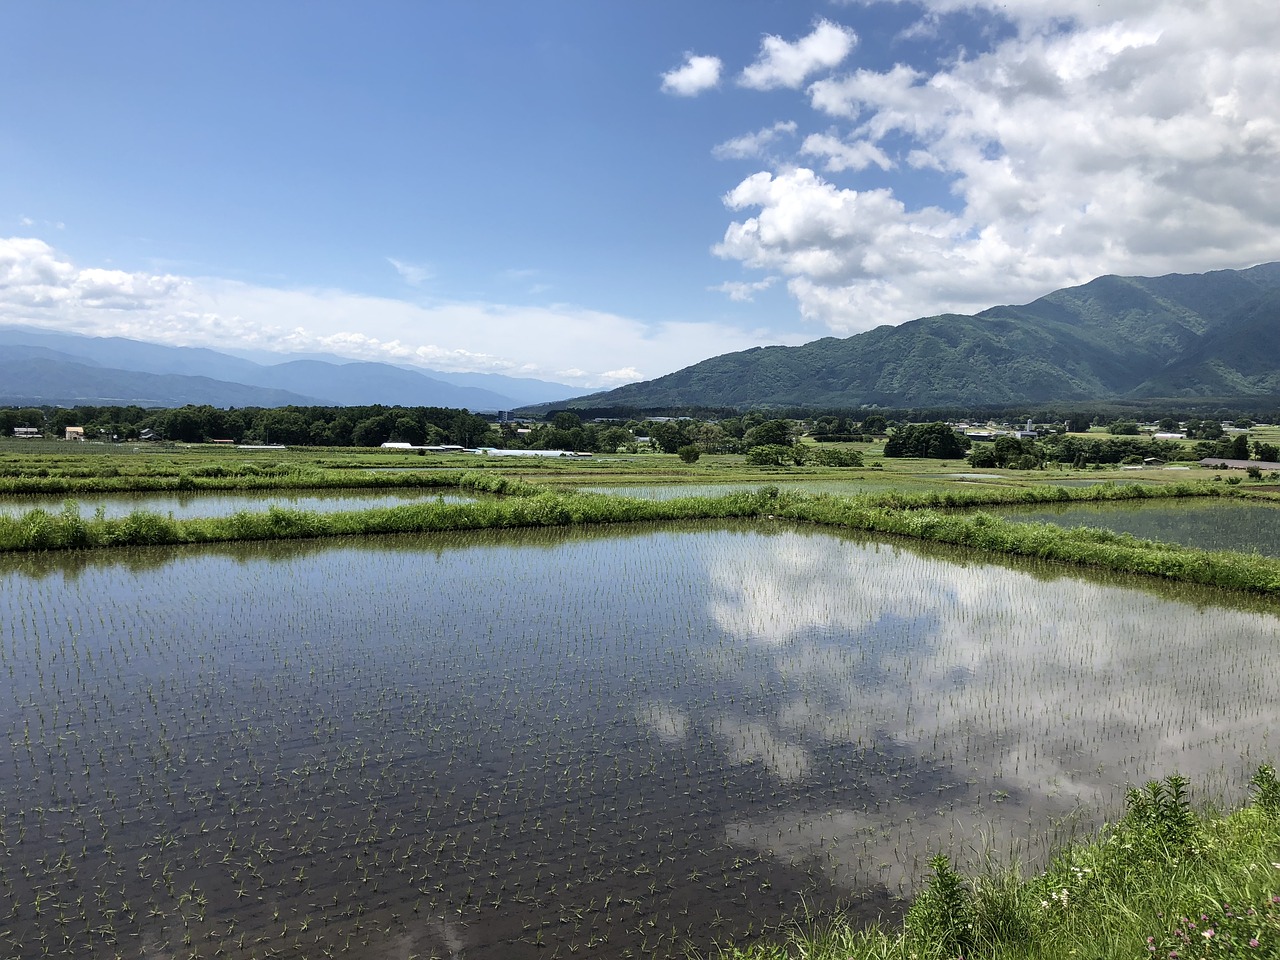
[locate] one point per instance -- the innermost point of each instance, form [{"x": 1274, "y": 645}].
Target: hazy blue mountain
[
  {"x": 1209, "y": 335},
  {"x": 36, "y": 376},
  {"x": 321, "y": 379}
]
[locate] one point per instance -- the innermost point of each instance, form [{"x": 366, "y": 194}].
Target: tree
[
  {"x": 1240, "y": 447},
  {"x": 771, "y": 432},
  {"x": 689, "y": 453},
  {"x": 407, "y": 430},
  {"x": 935, "y": 441},
  {"x": 1266, "y": 451},
  {"x": 875, "y": 424},
  {"x": 770, "y": 455},
  {"x": 668, "y": 436}
]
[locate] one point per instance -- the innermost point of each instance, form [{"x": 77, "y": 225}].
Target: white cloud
[
  {"x": 1123, "y": 137},
  {"x": 40, "y": 287},
  {"x": 845, "y": 155},
  {"x": 414, "y": 274},
  {"x": 783, "y": 64},
  {"x": 752, "y": 144},
  {"x": 743, "y": 292},
  {"x": 696, "y": 75}
]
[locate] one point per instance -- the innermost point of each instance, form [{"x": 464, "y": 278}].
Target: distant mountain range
[
  {"x": 43, "y": 367},
  {"x": 1207, "y": 336}
]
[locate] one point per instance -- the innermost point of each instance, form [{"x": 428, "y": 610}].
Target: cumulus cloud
[
  {"x": 783, "y": 64},
  {"x": 1124, "y": 137},
  {"x": 843, "y": 154},
  {"x": 695, "y": 75},
  {"x": 41, "y": 287}
]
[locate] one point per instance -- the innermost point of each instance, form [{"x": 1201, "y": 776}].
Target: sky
[{"x": 595, "y": 193}]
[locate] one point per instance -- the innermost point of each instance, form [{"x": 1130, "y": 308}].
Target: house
[
  {"x": 74, "y": 433},
  {"x": 27, "y": 433}
]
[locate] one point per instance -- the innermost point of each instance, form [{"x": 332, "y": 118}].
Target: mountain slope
[
  {"x": 1111, "y": 338},
  {"x": 324, "y": 380},
  {"x": 42, "y": 377}
]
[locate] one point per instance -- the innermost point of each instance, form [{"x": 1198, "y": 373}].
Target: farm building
[{"x": 1222, "y": 463}]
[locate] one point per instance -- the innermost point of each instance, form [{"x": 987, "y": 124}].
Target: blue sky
[{"x": 598, "y": 192}]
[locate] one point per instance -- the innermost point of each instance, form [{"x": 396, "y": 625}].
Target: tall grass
[{"x": 1164, "y": 882}]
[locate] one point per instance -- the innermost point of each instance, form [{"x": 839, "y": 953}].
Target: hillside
[
  {"x": 1201, "y": 335},
  {"x": 75, "y": 369}
]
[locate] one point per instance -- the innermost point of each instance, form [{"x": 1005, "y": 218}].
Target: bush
[
  {"x": 836, "y": 458},
  {"x": 689, "y": 453}
]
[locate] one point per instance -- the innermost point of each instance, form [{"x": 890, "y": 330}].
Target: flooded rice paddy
[
  {"x": 671, "y": 491},
  {"x": 554, "y": 743},
  {"x": 182, "y": 506},
  {"x": 1204, "y": 523}
]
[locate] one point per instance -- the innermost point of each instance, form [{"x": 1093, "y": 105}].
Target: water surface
[
  {"x": 222, "y": 504},
  {"x": 522, "y": 744},
  {"x": 1210, "y": 524}
]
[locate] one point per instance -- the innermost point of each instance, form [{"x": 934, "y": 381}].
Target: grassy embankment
[
  {"x": 1164, "y": 882},
  {"x": 936, "y": 517}
]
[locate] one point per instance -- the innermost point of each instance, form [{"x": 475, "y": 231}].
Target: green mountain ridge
[{"x": 1214, "y": 334}]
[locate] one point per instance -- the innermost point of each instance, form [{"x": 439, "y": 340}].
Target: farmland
[{"x": 618, "y": 727}]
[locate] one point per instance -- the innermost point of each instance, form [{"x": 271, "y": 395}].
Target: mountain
[
  {"x": 32, "y": 376},
  {"x": 75, "y": 369},
  {"x": 1214, "y": 335}
]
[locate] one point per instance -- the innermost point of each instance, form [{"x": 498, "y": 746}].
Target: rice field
[
  {"x": 212, "y": 504},
  {"x": 593, "y": 742},
  {"x": 839, "y": 487},
  {"x": 1211, "y": 524}
]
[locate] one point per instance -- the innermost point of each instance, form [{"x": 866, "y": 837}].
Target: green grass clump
[{"x": 1163, "y": 882}]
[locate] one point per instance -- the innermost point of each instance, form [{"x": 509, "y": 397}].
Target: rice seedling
[{"x": 622, "y": 739}]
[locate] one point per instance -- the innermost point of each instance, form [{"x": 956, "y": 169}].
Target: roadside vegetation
[{"x": 1165, "y": 882}]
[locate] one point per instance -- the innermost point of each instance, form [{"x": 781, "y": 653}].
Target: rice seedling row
[{"x": 547, "y": 743}]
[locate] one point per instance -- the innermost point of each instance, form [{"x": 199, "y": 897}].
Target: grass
[
  {"x": 935, "y": 517},
  {"x": 1163, "y": 882}
]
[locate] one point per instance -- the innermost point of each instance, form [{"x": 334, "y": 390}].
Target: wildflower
[
  {"x": 1208, "y": 934},
  {"x": 1253, "y": 941}
]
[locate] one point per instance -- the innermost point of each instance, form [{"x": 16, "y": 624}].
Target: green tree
[
  {"x": 771, "y": 432},
  {"x": 770, "y": 455},
  {"x": 1266, "y": 451},
  {"x": 935, "y": 441},
  {"x": 407, "y": 430},
  {"x": 668, "y": 436},
  {"x": 689, "y": 453},
  {"x": 875, "y": 424}
]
